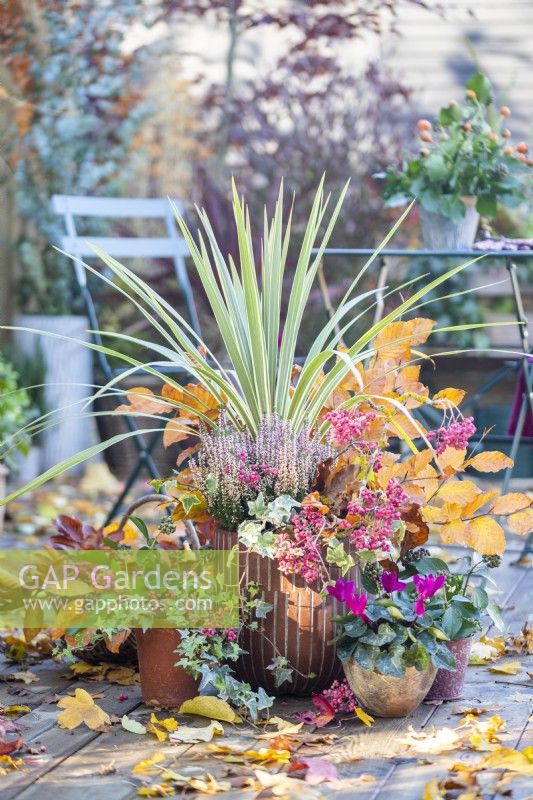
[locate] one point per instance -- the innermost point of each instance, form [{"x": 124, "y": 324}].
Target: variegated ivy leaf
[
  {"x": 281, "y": 509},
  {"x": 282, "y": 670},
  {"x": 337, "y": 555},
  {"x": 253, "y": 536},
  {"x": 258, "y": 508}
]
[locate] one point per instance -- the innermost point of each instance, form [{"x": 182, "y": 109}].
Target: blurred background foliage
[{"x": 124, "y": 98}]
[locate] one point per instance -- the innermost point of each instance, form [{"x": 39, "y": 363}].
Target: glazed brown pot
[
  {"x": 448, "y": 685},
  {"x": 386, "y": 695},
  {"x": 299, "y": 627},
  {"x": 162, "y": 683}
]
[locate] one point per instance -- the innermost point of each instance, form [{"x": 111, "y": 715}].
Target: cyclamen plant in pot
[
  {"x": 408, "y": 635},
  {"x": 294, "y": 464},
  {"x": 466, "y": 166}
]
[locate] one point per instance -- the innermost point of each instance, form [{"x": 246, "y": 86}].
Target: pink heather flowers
[
  {"x": 456, "y": 435},
  {"x": 340, "y": 697},
  {"x": 377, "y": 510},
  {"x": 426, "y": 586},
  {"x": 233, "y": 467},
  {"x": 298, "y": 552},
  {"x": 348, "y": 424}
]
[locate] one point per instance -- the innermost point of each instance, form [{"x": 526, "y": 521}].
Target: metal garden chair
[{"x": 172, "y": 246}]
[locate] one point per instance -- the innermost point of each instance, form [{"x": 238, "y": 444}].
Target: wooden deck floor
[{"x": 372, "y": 763}]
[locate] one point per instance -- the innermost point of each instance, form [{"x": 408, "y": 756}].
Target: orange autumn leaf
[
  {"x": 486, "y": 536},
  {"x": 455, "y": 532},
  {"x": 509, "y": 503},
  {"x": 521, "y": 522},
  {"x": 143, "y": 401},
  {"x": 490, "y": 461},
  {"x": 396, "y": 339},
  {"x": 478, "y": 502},
  {"x": 81, "y": 709},
  {"x": 451, "y": 461},
  {"x": 458, "y": 492},
  {"x": 175, "y": 432},
  {"x": 448, "y": 398}
]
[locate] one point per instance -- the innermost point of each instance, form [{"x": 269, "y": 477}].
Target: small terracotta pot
[
  {"x": 299, "y": 627},
  {"x": 162, "y": 683},
  {"x": 386, "y": 695},
  {"x": 449, "y": 685}
]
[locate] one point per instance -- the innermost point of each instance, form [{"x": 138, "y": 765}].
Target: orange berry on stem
[
  {"x": 426, "y": 137},
  {"x": 508, "y": 151},
  {"x": 522, "y": 147},
  {"x": 505, "y": 111},
  {"x": 423, "y": 125},
  {"x": 471, "y": 95}
]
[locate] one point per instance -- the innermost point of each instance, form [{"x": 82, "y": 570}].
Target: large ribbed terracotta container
[{"x": 299, "y": 628}]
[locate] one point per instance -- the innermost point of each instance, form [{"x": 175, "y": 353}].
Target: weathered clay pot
[
  {"x": 449, "y": 685},
  {"x": 299, "y": 627},
  {"x": 385, "y": 695},
  {"x": 162, "y": 683}
]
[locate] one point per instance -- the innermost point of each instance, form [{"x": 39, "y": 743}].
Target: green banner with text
[{"x": 108, "y": 589}]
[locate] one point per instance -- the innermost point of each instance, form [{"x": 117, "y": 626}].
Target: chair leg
[{"x": 146, "y": 464}]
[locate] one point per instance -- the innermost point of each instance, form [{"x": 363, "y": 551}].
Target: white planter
[
  {"x": 29, "y": 466},
  {"x": 69, "y": 374},
  {"x": 441, "y": 233}
]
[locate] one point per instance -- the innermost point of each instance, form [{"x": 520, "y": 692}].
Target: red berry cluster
[
  {"x": 340, "y": 696},
  {"x": 456, "y": 435}
]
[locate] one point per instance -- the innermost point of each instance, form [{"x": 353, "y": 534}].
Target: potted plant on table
[
  {"x": 466, "y": 166},
  {"x": 294, "y": 463}
]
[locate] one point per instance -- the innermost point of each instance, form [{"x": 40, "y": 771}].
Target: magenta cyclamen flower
[
  {"x": 426, "y": 586},
  {"x": 344, "y": 592},
  {"x": 390, "y": 582}
]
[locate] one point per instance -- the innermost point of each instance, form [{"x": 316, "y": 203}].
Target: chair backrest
[{"x": 172, "y": 246}]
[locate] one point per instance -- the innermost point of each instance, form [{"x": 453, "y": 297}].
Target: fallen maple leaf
[
  {"x": 145, "y": 767},
  {"x": 6, "y": 748},
  {"x": 511, "y": 760},
  {"x": 81, "y": 709},
  {"x": 24, "y": 675},
  {"x": 188, "y": 734},
  {"x": 320, "y": 718},
  {"x": 265, "y": 755},
  {"x": 211, "y": 707},
  {"x": 365, "y": 718},
  {"x": 281, "y": 785},
  {"x": 132, "y": 725},
  {"x": 318, "y": 770},
  {"x": 7, "y": 764},
  {"x": 510, "y": 668},
  {"x": 157, "y": 790},
  {"x": 161, "y": 727},
  {"x": 14, "y": 711}
]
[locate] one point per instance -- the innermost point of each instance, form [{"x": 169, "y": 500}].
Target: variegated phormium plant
[{"x": 256, "y": 380}]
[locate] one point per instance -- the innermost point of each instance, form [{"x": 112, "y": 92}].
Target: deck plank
[{"x": 74, "y": 764}]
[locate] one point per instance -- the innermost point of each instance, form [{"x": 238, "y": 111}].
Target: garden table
[{"x": 373, "y": 762}]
